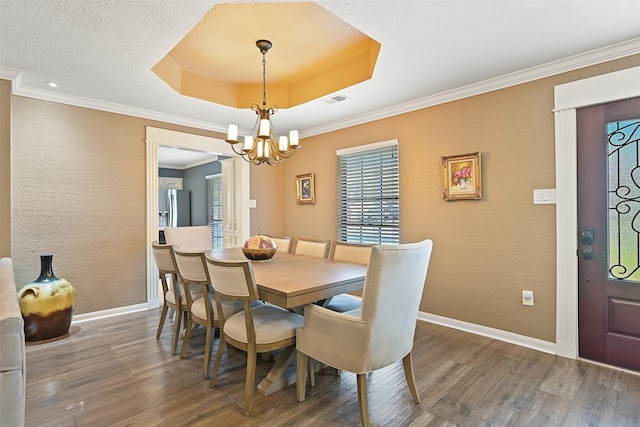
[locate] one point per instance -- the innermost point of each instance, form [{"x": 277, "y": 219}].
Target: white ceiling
[
  {"x": 174, "y": 158},
  {"x": 101, "y": 52}
]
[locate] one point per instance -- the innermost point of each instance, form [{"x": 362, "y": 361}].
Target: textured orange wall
[
  {"x": 79, "y": 193},
  {"x": 485, "y": 252},
  {"x": 266, "y": 190}
]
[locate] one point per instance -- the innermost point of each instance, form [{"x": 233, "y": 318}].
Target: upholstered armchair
[
  {"x": 257, "y": 329},
  {"x": 311, "y": 247},
  {"x": 202, "y": 310},
  {"x": 193, "y": 238},
  {"x": 378, "y": 334},
  {"x": 284, "y": 243},
  {"x": 172, "y": 290},
  {"x": 347, "y": 252}
]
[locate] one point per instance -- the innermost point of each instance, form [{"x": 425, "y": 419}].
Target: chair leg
[
  {"x": 187, "y": 334},
  {"x": 250, "y": 381},
  {"x": 301, "y": 375},
  {"x": 407, "y": 364},
  {"x": 163, "y": 315},
  {"x": 312, "y": 371},
  {"x": 216, "y": 364},
  {"x": 362, "y": 399},
  {"x": 207, "y": 352},
  {"x": 176, "y": 331}
]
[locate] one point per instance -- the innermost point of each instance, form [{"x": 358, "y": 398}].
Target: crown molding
[
  {"x": 594, "y": 57},
  {"x": 79, "y": 101}
]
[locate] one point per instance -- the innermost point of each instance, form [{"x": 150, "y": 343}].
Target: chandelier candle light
[{"x": 266, "y": 146}]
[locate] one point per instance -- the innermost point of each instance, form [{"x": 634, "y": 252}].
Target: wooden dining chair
[
  {"x": 202, "y": 310},
  {"x": 193, "y": 238},
  {"x": 283, "y": 243},
  {"x": 255, "y": 329},
  {"x": 348, "y": 252},
  {"x": 172, "y": 291},
  {"x": 311, "y": 247},
  {"x": 378, "y": 334}
]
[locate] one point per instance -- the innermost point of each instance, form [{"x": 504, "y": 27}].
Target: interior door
[{"x": 609, "y": 233}]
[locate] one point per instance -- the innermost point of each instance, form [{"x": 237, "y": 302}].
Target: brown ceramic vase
[{"x": 47, "y": 304}]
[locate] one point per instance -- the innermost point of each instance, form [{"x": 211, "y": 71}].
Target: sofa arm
[{"x": 12, "y": 350}]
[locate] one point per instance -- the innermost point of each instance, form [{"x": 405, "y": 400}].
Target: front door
[{"x": 609, "y": 233}]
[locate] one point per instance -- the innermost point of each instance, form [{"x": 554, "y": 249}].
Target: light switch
[
  {"x": 544, "y": 197},
  {"x": 252, "y": 203}
]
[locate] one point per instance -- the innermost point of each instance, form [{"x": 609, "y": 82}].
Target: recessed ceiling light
[{"x": 51, "y": 84}]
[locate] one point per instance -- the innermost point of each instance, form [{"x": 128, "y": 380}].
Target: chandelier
[{"x": 265, "y": 146}]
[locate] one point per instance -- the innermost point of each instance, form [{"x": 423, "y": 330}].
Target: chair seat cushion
[
  {"x": 344, "y": 302},
  {"x": 170, "y": 296},
  {"x": 199, "y": 309},
  {"x": 272, "y": 324}
]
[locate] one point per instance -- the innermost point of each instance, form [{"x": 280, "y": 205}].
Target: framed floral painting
[
  {"x": 305, "y": 189},
  {"x": 462, "y": 177}
]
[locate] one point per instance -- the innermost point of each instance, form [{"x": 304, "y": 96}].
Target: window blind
[
  {"x": 214, "y": 209},
  {"x": 368, "y": 195}
]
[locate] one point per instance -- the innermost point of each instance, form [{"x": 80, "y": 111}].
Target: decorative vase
[
  {"x": 47, "y": 304},
  {"x": 259, "y": 248},
  {"x": 463, "y": 185}
]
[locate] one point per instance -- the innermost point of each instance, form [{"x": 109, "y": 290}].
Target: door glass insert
[{"x": 624, "y": 199}]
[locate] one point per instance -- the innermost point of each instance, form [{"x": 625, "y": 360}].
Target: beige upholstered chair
[
  {"x": 311, "y": 247},
  {"x": 378, "y": 334},
  {"x": 173, "y": 299},
  {"x": 256, "y": 329},
  {"x": 347, "y": 252},
  {"x": 284, "y": 243},
  {"x": 194, "y": 238},
  {"x": 202, "y": 310}
]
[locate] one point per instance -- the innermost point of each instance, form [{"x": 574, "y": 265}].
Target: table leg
[{"x": 282, "y": 374}]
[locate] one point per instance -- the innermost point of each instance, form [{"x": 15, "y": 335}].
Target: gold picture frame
[
  {"x": 305, "y": 189},
  {"x": 462, "y": 177}
]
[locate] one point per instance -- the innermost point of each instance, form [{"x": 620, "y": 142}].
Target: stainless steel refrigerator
[{"x": 174, "y": 208}]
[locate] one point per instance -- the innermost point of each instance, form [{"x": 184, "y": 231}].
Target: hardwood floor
[{"x": 113, "y": 372}]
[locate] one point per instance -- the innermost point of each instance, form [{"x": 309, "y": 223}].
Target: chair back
[
  {"x": 284, "y": 243},
  {"x": 165, "y": 258},
  {"x": 311, "y": 247},
  {"x": 192, "y": 266},
  {"x": 391, "y": 297},
  {"x": 350, "y": 252},
  {"x": 232, "y": 280},
  {"x": 194, "y": 238}
]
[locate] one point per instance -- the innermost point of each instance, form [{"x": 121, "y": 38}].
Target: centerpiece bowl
[{"x": 259, "y": 248}]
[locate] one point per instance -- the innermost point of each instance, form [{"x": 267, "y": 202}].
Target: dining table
[{"x": 291, "y": 281}]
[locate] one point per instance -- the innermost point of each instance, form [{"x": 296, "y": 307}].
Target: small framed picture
[
  {"x": 305, "y": 188},
  {"x": 462, "y": 177}
]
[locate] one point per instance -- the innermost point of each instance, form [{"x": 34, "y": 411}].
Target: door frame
[
  {"x": 156, "y": 137},
  {"x": 569, "y": 97}
]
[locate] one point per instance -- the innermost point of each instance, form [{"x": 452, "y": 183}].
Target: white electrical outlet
[{"x": 527, "y": 297}]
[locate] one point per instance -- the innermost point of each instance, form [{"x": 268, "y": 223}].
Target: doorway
[
  {"x": 609, "y": 233},
  {"x": 569, "y": 97},
  {"x": 156, "y": 137}
]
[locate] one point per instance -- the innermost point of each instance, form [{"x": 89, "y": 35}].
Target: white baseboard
[
  {"x": 500, "y": 335},
  {"x": 94, "y": 315}
]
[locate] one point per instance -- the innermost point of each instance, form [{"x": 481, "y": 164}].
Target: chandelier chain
[{"x": 264, "y": 79}]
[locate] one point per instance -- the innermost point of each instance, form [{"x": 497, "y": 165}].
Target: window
[
  {"x": 214, "y": 209},
  {"x": 368, "y": 193}
]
